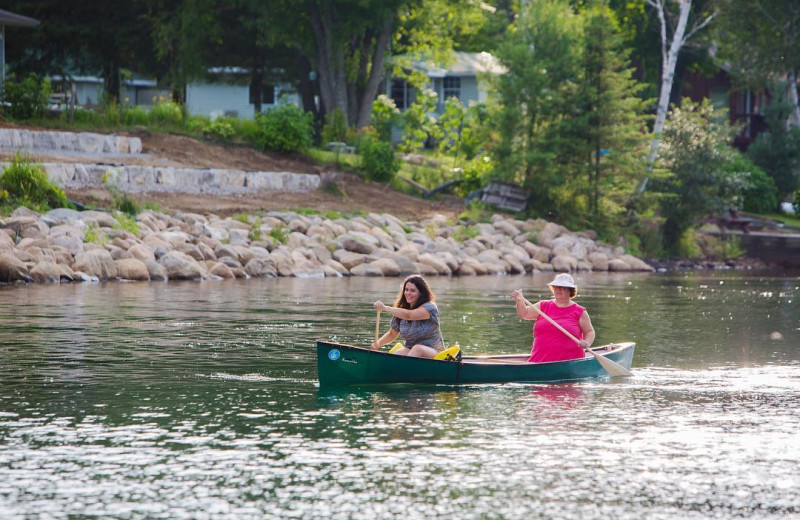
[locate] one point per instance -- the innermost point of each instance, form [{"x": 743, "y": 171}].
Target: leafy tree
[
  {"x": 609, "y": 124},
  {"x": 760, "y": 40},
  {"x": 418, "y": 124},
  {"x": 671, "y": 45},
  {"x": 777, "y": 151},
  {"x": 460, "y": 128},
  {"x": 182, "y": 33},
  {"x": 696, "y": 151},
  {"x": 352, "y": 40},
  {"x": 532, "y": 98},
  {"x": 90, "y": 36},
  {"x": 25, "y": 98},
  {"x": 759, "y": 194}
]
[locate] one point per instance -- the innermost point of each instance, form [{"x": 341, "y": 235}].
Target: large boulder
[
  {"x": 349, "y": 259},
  {"x": 156, "y": 271},
  {"x": 46, "y": 272},
  {"x": 96, "y": 262},
  {"x": 366, "y": 270},
  {"x": 260, "y": 266},
  {"x": 132, "y": 269},
  {"x": 635, "y": 263},
  {"x": 181, "y": 266}
]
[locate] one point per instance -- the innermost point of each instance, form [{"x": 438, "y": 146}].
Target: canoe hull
[{"x": 339, "y": 364}]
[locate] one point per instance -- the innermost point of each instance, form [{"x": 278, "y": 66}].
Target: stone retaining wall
[
  {"x": 145, "y": 179},
  {"x": 142, "y": 178},
  {"x": 82, "y": 142}
]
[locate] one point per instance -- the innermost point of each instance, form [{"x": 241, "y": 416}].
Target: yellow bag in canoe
[{"x": 449, "y": 354}]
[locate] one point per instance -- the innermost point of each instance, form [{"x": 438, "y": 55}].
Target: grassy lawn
[{"x": 788, "y": 220}]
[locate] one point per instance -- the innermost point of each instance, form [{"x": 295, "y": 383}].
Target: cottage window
[
  {"x": 399, "y": 93},
  {"x": 451, "y": 88},
  {"x": 267, "y": 95}
]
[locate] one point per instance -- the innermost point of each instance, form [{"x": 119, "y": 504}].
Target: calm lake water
[{"x": 200, "y": 400}]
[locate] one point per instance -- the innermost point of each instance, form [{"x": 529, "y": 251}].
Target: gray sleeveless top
[{"x": 425, "y": 332}]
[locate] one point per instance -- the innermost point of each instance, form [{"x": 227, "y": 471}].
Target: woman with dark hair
[{"x": 415, "y": 318}]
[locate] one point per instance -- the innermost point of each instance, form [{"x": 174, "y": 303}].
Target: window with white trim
[{"x": 451, "y": 87}]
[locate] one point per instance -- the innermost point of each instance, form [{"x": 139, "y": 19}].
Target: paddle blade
[{"x": 614, "y": 369}]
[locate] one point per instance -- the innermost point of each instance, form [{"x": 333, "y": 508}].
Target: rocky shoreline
[{"x": 65, "y": 245}]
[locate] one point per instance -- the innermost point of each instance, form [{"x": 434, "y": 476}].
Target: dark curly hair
[{"x": 425, "y": 293}]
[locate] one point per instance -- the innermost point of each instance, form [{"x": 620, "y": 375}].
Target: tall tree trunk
[
  {"x": 376, "y": 74},
  {"x": 330, "y": 60},
  {"x": 111, "y": 81},
  {"x": 670, "y": 60},
  {"x": 256, "y": 87},
  {"x": 793, "y": 96},
  {"x": 305, "y": 87},
  {"x": 354, "y": 98}
]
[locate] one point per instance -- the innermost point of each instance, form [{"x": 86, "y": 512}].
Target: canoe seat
[
  {"x": 397, "y": 346},
  {"x": 449, "y": 354}
]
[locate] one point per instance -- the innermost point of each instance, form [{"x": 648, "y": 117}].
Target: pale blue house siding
[
  {"x": 89, "y": 91},
  {"x": 469, "y": 91},
  {"x": 207, "y": 99},
  {"x": 220, "y": 99}
]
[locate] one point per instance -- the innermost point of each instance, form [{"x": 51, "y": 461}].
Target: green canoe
[{"x": 339, "y": 364}]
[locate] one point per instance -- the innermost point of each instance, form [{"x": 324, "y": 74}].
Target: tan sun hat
[{"x": 563, "y": 280}]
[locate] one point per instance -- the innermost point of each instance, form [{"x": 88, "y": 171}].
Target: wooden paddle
[
  {"x": 614, "y": 369},
  {"x": 377, "y": 327}
]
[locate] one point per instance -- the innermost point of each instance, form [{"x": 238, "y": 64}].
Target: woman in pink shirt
[{"x": 549, "y": 343}]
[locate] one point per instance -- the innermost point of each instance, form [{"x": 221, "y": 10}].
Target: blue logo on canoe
[{"x": 334, "y": 354}]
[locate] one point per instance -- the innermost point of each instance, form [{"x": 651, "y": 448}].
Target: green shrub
[
  {"x": 112, "y": 114},
  {"x": 81, "y": 116},
  {"x": 279, "y": 234},
  {"x": 385, "y": 115},
  {"x": 245, "y": 130},
  {"x": 95, "y": 235},
  {"x": 220, "y": 129},
  {"x": 196, "y": 125},
  {"x": 285, "y": 128},
  {"x": 379, "y": 160},
  {"x": 121, "y": 201},
  {"x": 335, "y": 127},
  {"x": 127, "y": 223},
  {"x": 27, "y": 184},
  {"x": 476, "y": 212},
  {"x": 166, "y": 113},
  {"x": 27, "y": 98},
  {"x": 758, "y": 191},
  {"x": 134, "y": 116},
  {"x": 475, "y": 174},
  {"x": 255, "y": 231},
  {"x": 418, "y": 124},
  {"x": 463, "y": 233}
]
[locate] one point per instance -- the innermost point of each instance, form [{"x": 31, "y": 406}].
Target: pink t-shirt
[{"x": 549, "y": 343}]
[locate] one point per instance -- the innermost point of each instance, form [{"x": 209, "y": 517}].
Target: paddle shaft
[
  {"x": 613, "y": 368},
  {"x": 377, "y": 326}
]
